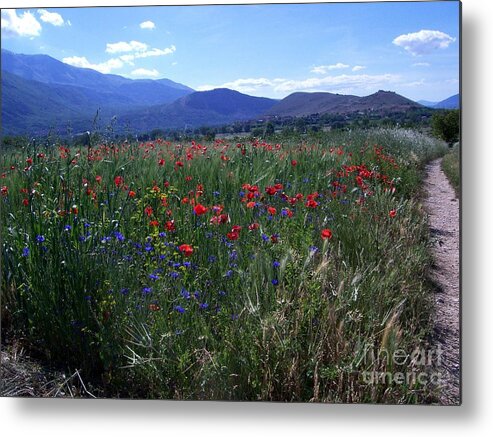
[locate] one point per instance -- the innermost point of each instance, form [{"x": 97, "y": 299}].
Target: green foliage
[
  {"x": 446, "y": 125},
  {"x": 451, "y": 167}
]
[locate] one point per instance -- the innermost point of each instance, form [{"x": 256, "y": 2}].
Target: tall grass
[
  {"x": 96, "y": 276},
  {"x": 451, "y": 167}
]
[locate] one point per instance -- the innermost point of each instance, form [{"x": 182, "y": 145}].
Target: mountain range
[
  {"x": 452, "y": 102},
  {"x": 40, "y": 93}
]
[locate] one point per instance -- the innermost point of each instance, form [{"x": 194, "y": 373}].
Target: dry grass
[{"x": 22, "y": 376}]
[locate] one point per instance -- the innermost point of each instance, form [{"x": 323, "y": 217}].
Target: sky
[{"x": 411, "y": 48}]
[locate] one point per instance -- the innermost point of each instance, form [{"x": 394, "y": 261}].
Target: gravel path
[{"x": 442, "y": 206}]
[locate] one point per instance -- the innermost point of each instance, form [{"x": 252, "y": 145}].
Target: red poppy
[
  {"x": 154, "y": 223},
  {"x": 170, "y": 225},
  {"x": 392, "y": 213},
  {"x": 25, "y": 202},
  {"x": 271, "y": 190},
  {"x": 294, "y": 162},
  {"x": 311, "y": 203},
  {"x": 271, "y": 210},
  {"x": 161, "y": 162},
  {"x": 233, "y": 235},
  {"x": 253, "y": 226},
  {"x": 4, "y": 190},
  {"x": 326, "y": 234},
  {"x": 186, "y": 249},
  {"x": 118, "y": 181},
  {"x": 131, "y": 193},
  {"x": 250, "y": 205},
  {"x": 148, "y": 210},
  {"x": 200, "y": 209}
]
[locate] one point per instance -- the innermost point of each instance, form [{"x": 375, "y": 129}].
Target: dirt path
[{"x": 442, "y": 206}]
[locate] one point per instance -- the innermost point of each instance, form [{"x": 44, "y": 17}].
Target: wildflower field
[{"x": 221, "y": 270}]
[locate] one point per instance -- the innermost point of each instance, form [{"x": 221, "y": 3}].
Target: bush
[{"x": 446, "y": 125}]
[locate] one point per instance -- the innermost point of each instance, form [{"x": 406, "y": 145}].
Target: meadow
[{"x": 258, "y": 270}]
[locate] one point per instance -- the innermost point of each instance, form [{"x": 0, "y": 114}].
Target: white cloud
[
  {"x": 104, "y": 67},
  {"x": 130, "y": 58},
  {"x": 323, "y": 69},
  {"x": 147, "y": 25},
  {"x": 424, "y": 41},
  {"x": 19, "y": 25},
  {"x": 142, "y": 72},
  {"x": 421, "y": 64},
  {"x": 122, "y": 46},
  {"x": 340, "y": 83},
  {"x": 358, "y": 68},
  {"x": 52, "y": 18}
]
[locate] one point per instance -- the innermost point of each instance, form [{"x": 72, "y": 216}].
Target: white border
[{"x": 132, "y": 418}]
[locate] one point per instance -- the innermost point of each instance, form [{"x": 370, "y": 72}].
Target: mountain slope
[
  {"x": 453, "y": 102},
  {"x": 302, "y": 104},
  {"x": 215, "y": 107},
  {"x": 45, "y": 69},
  {"x": 34, "y": 107}
]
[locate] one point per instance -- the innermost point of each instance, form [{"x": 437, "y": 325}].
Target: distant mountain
[
  {"x": 427, "y": 103},
  {"x": 215, "y": 107},
  {"x": 452, "y": 102},
  {"x": 47, "y": 70},
  {"x": 33, "y": 107},
  {"x": 302, "y": 104}
]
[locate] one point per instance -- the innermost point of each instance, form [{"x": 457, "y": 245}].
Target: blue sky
[{"x": 265, "y": 50}]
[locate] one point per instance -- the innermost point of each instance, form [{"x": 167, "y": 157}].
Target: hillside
[
  {"x": 47, "y": 70},
  {"x": 453, "y": 102},
  {"x": 219, "y": 106},
  {"x": 302, "y": 104}
]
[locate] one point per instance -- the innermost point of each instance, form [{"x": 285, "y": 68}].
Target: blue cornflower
[
  {"x": 153, "y": 277},
  {"x": 229, "y": 273},
  {"x": 184, "y": 293},
  {"x": 180, "y": 309},
  {"x": 146, "y": 290},
  {"x": 212, "y": 259},
  {"x": 187, "y": 264},
  {"x": 174, "y": 275},
  {"x": 241, "y": 193},
  {"x": 313, "y": 249},
  {"x": 196, "y": 294},
  {"x": 40, "y": 238},
  {"x": 276, "y": 264},
  {"x": 68, "y": 227},
  {"x": 274, "y": 282},
  {"x": 25, "y": 251},
  {"x": 87, "y": 225},
  {"x": 119, "y": 236},
  {"x": 265, "y": 237},
  {"x": 162, "y": 234},
  {"x": 216, "y": 193},
  {"x": 204, "y": 306},
  {"x": 222, "y": 293},
  {"x": 148, "y": 247},
  {"x": 233, "y": 255}
]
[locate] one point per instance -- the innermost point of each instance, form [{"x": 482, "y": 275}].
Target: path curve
[{"x": 442, "y": 206}]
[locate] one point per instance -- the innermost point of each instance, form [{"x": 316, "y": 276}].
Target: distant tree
[
  {"x": 269, "y": 129},
  {"x": 446, "y": 125}
]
